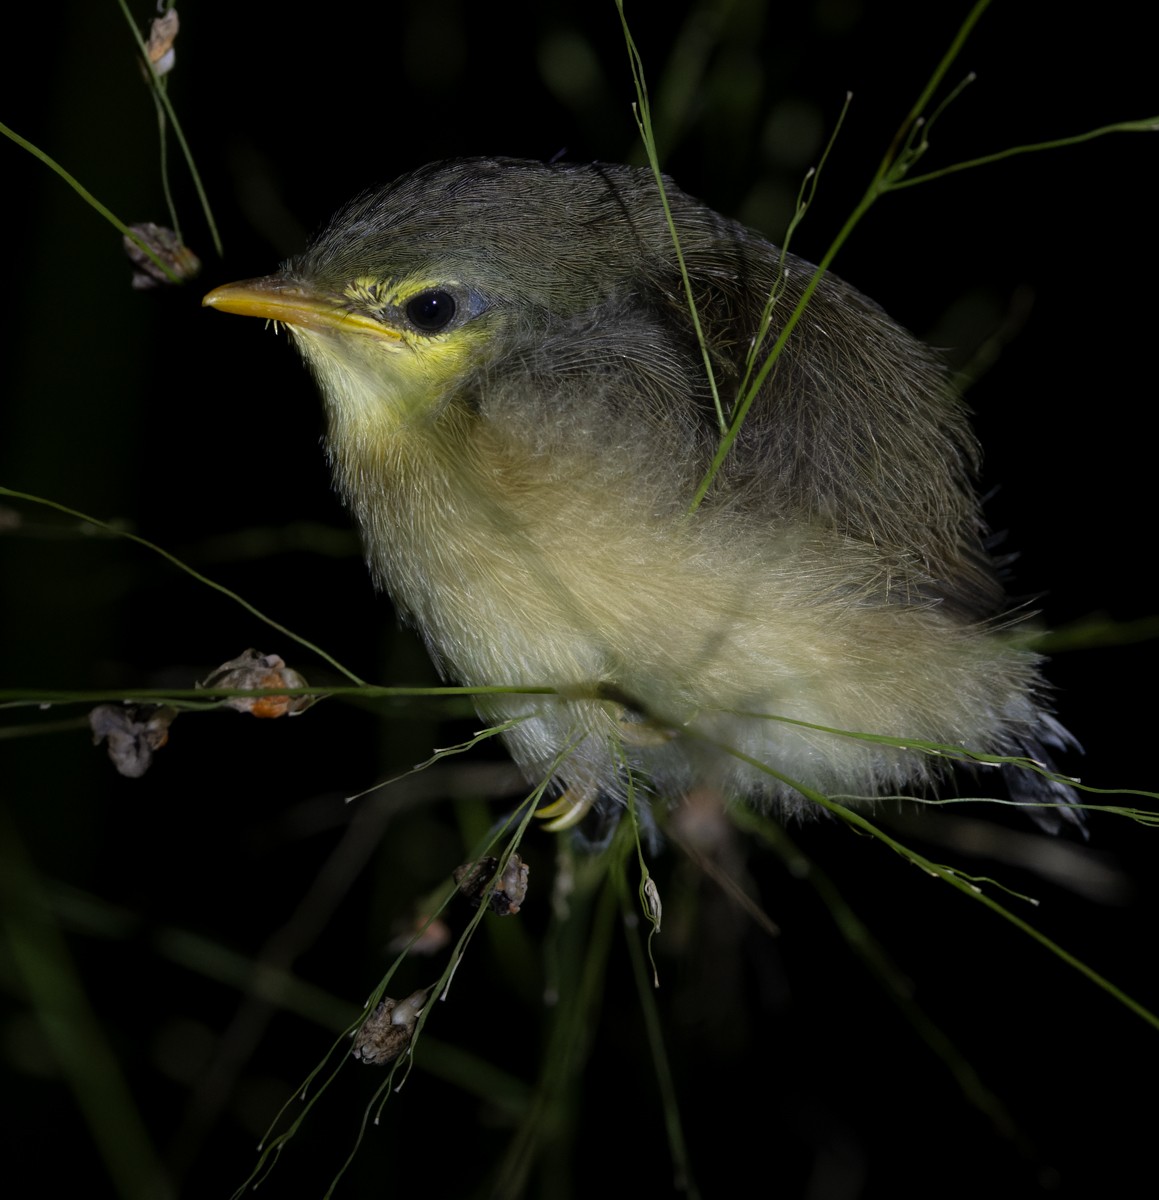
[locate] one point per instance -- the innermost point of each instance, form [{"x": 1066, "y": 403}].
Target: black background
[{"x": 796, "y": 1074}]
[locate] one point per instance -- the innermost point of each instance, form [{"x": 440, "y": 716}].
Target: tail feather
[{"x": 1051, "y": 803}]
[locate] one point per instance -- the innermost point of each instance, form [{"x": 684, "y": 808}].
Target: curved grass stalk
[
  {"x": 643, "y": 113},
  {"x": 908, "y": 146},
  {"x": 641, "y": 958},
  {"x": 203, "y": 579},
  {"x": 805, "y": 195},
  {"x": 965, "y": 754},
  {"x": 446, "y": 752},
  {"x": 271, "y": 1147},
  {"x": 441, "y": 988},
  {"x": 954, "y": 878},
  {"x": 161, "y": 95},
  {"x": 1145, "y": 125},
  {"x": 95, "y": 204}
]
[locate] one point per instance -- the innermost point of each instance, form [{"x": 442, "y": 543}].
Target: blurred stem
[
  {"x": 862, "y": 942},
  {"x": 583, "y": 937},
  {"x": 682, "y": 80},
  {"x": 43, "y": 964}
]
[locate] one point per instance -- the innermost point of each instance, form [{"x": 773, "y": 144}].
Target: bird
[{"x": 527, "y": 404}]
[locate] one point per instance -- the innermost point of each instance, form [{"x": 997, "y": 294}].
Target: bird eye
[{"x": 431, "y": 311}]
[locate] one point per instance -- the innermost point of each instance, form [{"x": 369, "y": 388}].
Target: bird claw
[{"x": 567, "y": 811}]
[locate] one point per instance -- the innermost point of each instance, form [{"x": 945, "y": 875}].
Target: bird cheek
[{"x": 358, "y": 378}]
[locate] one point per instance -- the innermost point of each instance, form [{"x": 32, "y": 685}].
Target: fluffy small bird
[{"x": 520, "y": 417}]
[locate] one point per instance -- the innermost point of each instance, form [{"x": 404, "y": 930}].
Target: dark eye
[{"x": 431, "y": 311}]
